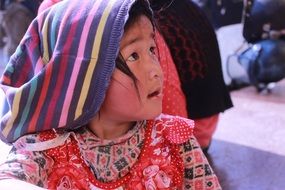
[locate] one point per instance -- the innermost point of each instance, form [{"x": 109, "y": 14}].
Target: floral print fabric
[{"x": 157, "y": 154}]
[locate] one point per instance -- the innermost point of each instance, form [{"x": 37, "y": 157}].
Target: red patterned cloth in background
[{"x": 173, "y": 102}]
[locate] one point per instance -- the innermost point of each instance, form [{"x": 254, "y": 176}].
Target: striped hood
[{"x": 58, "y": 76}]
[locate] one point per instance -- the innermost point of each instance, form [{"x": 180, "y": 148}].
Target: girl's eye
[
  {"x": 134, "y": 56},
  {"x": 153, "y": 50}
]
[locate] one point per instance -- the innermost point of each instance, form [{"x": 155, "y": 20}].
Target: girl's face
[{"x": 122, "y": 102}]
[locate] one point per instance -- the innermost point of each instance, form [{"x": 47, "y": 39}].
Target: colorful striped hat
[{"x": 58, "y": 76}]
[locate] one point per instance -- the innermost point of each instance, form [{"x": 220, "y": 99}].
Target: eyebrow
[{"x": 152, "y": 35}]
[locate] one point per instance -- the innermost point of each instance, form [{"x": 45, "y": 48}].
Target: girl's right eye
[{"x": 133, "y": 57}]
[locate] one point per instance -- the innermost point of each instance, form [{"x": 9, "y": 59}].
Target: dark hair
[{"x": 139, "y": 8}]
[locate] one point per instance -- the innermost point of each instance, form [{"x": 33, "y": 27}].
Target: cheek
[{"x": 122, "y": 94}]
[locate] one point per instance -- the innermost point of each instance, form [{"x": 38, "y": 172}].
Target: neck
[{"x": 108, "y": 129}]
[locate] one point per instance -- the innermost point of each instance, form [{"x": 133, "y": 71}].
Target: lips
[{"x": 155, "y": 93}]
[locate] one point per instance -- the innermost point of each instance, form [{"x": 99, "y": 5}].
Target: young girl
[{"x": 85, "y": 92}]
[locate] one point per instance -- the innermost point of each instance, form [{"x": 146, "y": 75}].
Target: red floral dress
[{"x": 157, "y": 154}]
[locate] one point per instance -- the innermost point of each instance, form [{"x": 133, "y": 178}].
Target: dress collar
[{"x": 95, "y": 141}]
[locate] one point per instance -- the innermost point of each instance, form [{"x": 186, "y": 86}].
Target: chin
[{"x": 154, "y": 115}]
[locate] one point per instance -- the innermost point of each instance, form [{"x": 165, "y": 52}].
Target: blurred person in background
[
  {"x": 190, "y": 59},
  {"x": 16, "y": 16}
]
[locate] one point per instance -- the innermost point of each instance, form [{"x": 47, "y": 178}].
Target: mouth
[{"x": 155, "y": 94}]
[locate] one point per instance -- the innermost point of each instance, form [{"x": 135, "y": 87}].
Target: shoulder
[
  {"x": 42, "y": 140},
  {"x": 175, "y": 129}
]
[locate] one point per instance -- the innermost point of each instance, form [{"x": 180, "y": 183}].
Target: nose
[{"x": 154, "y": 71}]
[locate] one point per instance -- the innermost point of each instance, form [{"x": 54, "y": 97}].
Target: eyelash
[
  {"x": 135, "y": 56},
  {"x": 153, "y": 50}
]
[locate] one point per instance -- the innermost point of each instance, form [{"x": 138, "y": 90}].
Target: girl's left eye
[
  {"x": 153, "y": 50},
  {"x": 133, "y": 57}
]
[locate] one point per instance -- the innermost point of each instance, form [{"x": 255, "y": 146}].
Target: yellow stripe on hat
[
  {"x": 46, "y": 55},
  {"x": 14, "y": 113},
  {"x": 95, "y": 52}
]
